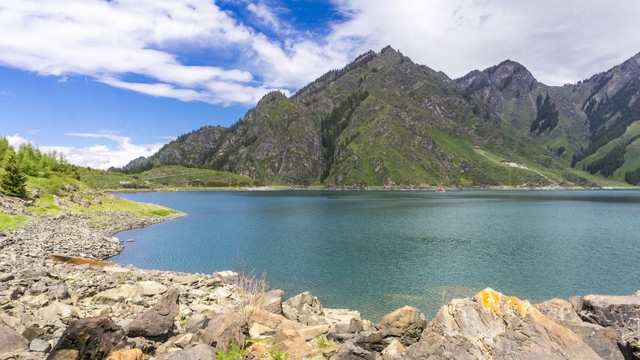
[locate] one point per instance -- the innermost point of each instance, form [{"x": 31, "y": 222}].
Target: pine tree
[{"x": 13, "y": 180}]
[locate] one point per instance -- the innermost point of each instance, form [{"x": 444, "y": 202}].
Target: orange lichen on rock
[
  {"x": 490, "y": 299},
  {"x": 514, "y": 302},
  {"x": 494, "y": 301}
]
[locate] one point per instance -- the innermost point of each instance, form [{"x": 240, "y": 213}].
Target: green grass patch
[
  {"x": 11, "y": 222},
  {"x": 233, "y": 353}
]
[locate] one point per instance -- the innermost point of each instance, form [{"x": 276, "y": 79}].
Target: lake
[{"x": 377, "y": 251}]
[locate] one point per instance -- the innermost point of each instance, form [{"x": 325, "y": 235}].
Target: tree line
[{"x": 16, "y": 166}]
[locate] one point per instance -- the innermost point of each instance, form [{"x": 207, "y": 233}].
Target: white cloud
[
  {"x": 558, "y": 41},
  {"x": 110, "y": 40},
  {"x": 101, "y": 156},
  {"x": 145, "y": 45},
  {"x": 16, "y": 140}
]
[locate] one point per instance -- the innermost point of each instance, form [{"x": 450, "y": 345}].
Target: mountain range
[{"x": 384, "y": 120}]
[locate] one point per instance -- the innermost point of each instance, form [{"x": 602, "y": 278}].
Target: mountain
[
  {"x": 385, "y": 121},
  {"x": 592, "y": 123}
]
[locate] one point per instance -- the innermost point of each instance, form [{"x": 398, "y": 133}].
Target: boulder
[
  {"x": 90, "y": 338},
  {"x": 132, "y": 354},
  {"x": 312, "y": 332},
  {"x": 304, "y": 308},
  {"x": 58, "y": 312},
  {"x": 393, "y": 351},
  {"x": 406, "y": 323},
  {"x": 190, "y": 279},
  {"x": 224, "y": 329},
  {"x": 273, "y": 301},
  {"x": 290, "y": 342},
  {"x": 152, "y": 288},
  {"x": 39, "y": 345},
  {"x": 196, "y": 324},
  {"x": 258, "y": 331},
  {"x": 191, "y": 352},
  {"x": 157, "y": 322},
  {"x": 124, "y": 294},
  {"x": 619, "y": 312},
  {"x": 11, "y": 343},
  {"x": 273, "y": 321},
  {"x": 604, "y": 341},
  {"x": 492, "y": 325},
  {"x": 350, "y": 351}
]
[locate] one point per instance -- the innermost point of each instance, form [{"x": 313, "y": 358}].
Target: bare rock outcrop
[{"x": 494, "y": 326}]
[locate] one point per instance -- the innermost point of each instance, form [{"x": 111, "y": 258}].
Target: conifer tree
[{"x": 13, "y": 180}]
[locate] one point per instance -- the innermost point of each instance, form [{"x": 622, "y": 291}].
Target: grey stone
[
  {"x": 192, "y": 352},
  {"x": 604, "y": 341},
  {"x": 4, "y": 277},
  {"x": 157, "y": 322},
  {"x": 349, "y": 351},
  {"x": 273, "y": 301},
  {"x": 196, "y": 324},
  {"x": 186, "y": 279},
  {"x": 304, "y": 308},
  {"x": 39, "y": 345}
]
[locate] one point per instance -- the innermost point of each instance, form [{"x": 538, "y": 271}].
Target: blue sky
[{"x": 104, "y": 82}]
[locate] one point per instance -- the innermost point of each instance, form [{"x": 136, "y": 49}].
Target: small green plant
[
  {"x": 233, "y": 353},
  {"x": 277, "y": 355},
  {"x": 324, "y": 343}
]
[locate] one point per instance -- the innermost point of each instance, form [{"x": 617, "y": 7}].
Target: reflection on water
[{"x": 377, "y": 251}]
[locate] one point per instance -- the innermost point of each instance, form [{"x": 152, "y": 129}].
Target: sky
[{"x": 106, "y": 81}]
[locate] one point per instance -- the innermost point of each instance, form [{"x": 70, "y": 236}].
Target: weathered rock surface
[
  {"x": 273, "y": 301},
  {"x": 224, "y": 329},
  {"x": 91, "y": 338},
  {"x": 157, "y": 322},
  {"x": 405, "y": 323},
  {"x": 193, "y": 352},
  {"x": 304, "y": 308},
  {"x": 617, "y": 313},
  {"x": 492, "y": 325},
  {"x": 604, "y": 341},
  {"x": 11, "y": 343}
]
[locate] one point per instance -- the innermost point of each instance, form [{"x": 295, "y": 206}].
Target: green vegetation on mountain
[{"x": 385, "y": 121}]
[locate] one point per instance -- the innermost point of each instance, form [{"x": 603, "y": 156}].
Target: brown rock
[
  {"x": 290, "y": 342},
  {"x": 92, "y": 338},
  {"x": 133, "y": 354},
  {"x": 157, "y": 322},
  {"x": 273, "y": 321},
  {"x": 224, "y": 329},
  {"x": 405, "y": 323},
  {"x": 11, "y": 343},
  {"x": 492, "y": 325},
  {"x": 66, "y": 354}
]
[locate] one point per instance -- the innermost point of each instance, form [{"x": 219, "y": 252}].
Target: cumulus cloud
[
  {"x": 16, "y": 140},
  {"x": 101, "y": 156},
  {"x": 146, "y": 45},
  {"x": 109, "y": 40},
  {"x": 558, "y": 41}
]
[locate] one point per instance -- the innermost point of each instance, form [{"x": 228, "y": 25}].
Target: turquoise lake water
[{"x": 377, "y": 251}]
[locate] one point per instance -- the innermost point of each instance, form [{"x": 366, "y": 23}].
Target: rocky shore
[{"x": 85, "y": 309}]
